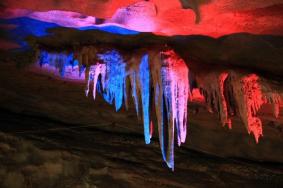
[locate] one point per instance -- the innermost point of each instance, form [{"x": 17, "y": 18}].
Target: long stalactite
[{"x": 161, "y": 77}]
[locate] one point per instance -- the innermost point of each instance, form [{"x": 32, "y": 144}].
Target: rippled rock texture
[
  {"x": 54, "y": 136},
  {"x": 194, "y": 89},
  {"x": 117, "y": 76}
]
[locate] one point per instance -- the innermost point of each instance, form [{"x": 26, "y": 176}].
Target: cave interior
[{"x": 141, "y": 93}]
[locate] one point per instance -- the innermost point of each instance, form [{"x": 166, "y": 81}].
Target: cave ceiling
[{"x": 177, "y": 17}]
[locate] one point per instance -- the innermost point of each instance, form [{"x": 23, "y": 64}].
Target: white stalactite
[
  {"x": 168, "y": 75},
  {"x": 212, "y": 84},
  {"x": 171, "y": 89}
]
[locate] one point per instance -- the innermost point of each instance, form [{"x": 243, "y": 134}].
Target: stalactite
[
  {"x": 155, "y": 67},
  {"x": 225, "y": 93},
  {"x": 135, "y": 91},
  {"x": 247, "y": 92},
  {"x": 115, "y": 77},
  {"x": 139, "y": 74},
  {"x": 171, "y": 89},
  {"x": 144, "y": 87},
  {"x": 212, "y": 84},
  {"x": 273, "y": 97},
  {"x": 176, "y": 89},
  {"x": 94, "y": 73},
  {"x": 249, "y": 98},
  {"x": 196, "y": 96},
  {"x": 61, "y": 64}
]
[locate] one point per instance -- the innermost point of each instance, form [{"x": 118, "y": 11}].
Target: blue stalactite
[
  {"x": 144, "y": 79},
  {"x": 169, "y": 79},
  {"x": 115, "y": 77}
]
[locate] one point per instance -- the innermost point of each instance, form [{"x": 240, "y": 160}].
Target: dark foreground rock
[{"x": 53, "y": 136}]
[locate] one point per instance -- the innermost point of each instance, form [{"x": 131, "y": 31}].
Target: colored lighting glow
[
  {"x": 115, "y": 76},
  {"x": 144, "y": 85},
  {"x": 249, "y": 98},
  {"x": 217, "y": 18},
  {"x": 173, "y": 88},
  {"x": 164, "y": 71},
  {"x": 168, "y": 73},
  {"x": 25, "y": 26},
  {"x": 61, "y": 64}
]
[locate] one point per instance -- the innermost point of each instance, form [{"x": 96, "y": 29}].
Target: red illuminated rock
[{"x": 217, "y": 18}]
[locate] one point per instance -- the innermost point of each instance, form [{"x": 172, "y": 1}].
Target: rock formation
[{"x": 159, "y": 78}]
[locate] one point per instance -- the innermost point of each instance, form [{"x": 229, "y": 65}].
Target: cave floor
[{"x": 49, "y": 143}]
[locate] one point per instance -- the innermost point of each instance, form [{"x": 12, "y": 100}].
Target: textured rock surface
[
  {"x": 255, "y": 53},
  {"x": 228, "y": 93},
  {"x": 175, "y": 17},
  {"x": 53, "y": 135}
]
